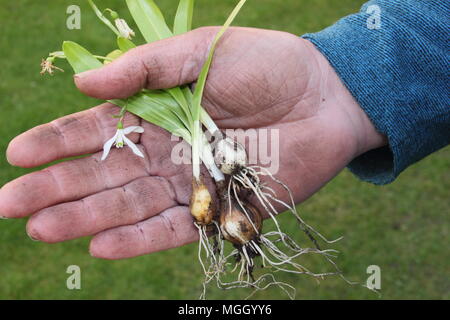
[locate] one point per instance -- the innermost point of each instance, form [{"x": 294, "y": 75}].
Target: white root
[
  {"x": 276, "y": 250},
  {"x": 292, "y": 207},
  {"x": 244, "y": 281},
  {"x": 278, "y": 258},
  {"x": 272, "y": 258}
]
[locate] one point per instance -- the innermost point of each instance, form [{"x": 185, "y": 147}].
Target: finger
[
  {"x": 68, "y": 181},
  {"x": 164, "y": 64},
  {"x": 73, "y": 135},
  {"x": 134, "y": 202},
  {"x": 172, "y": 228}
]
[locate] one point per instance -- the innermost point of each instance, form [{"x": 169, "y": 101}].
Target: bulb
[
  {"x": 201, "y": 204},
  {"x": 229, "y": 156},
  {"x": 235, "y": 225}
]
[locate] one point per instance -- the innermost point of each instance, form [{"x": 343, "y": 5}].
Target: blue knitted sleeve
[{"x": 393, "y": 57}]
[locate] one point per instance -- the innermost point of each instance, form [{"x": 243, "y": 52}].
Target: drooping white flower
[
  {"x": 124, "y": 30},
  {"x": 120, "y": 140}
]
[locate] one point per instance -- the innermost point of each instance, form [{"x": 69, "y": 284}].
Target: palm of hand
[{"x": 135, "y": 206}]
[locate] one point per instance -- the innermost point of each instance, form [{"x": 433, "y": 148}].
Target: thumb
[{"x": 160, "y": 65}]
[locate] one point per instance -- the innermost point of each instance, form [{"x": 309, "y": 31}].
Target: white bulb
[{"x": 229, "y": 156}]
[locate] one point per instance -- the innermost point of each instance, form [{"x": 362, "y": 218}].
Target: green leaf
[
  {"x": 179, "y": 97},
  {"x": 79, "y": 58},
  {"x": 174, "y": 100},
  {"x": 124, "y": 44},
  {"x": 196, "y": 130},
  {"x": 183, "y": 17},
  {"x": 149, "y": 20},
  {"x": 153, "y": 27},
  {"x": 156, "y": 107},
  {"x": 200, "y": 86}
]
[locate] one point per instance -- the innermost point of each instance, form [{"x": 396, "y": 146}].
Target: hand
[{"x": 134, "y": 206}]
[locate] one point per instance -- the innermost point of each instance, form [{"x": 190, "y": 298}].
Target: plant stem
[
  {"x": 103, "y": 18},
  {"x": 208, "y": 160},
  {"x": 196, "y": 133},
  {"x": 208, "y": 122}
]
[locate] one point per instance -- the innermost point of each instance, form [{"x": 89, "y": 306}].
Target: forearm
[{"x": 398, "y": 74}]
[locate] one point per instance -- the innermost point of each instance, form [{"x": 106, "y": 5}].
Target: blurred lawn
[{"x": 402, "y": 227}]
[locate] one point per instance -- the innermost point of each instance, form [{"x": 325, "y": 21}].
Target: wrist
[{"x": 336, "y": 96}]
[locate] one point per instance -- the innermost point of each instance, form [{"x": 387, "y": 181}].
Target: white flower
[
  {"x": 120, "y": 140},
  {"x": 124, "y": 30}
]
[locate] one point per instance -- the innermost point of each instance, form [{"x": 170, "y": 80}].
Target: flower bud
[{"x": 124, "y": 30}]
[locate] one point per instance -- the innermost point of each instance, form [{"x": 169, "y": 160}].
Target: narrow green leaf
[
  {"x": 196, "y": 130},
  {"x": 79, "y": 58},
  {"x": 124, "y": 44},
  {"x": 153, "y": 27},
  {"x": 156, "y": 107},
  {"x": 183, "y": 17},
  {"x": 167, "y": 98},
  {"x": 179, "y": 97},
  {"x": 149, "y": 20},
  {"x": 200, "y": 86}
]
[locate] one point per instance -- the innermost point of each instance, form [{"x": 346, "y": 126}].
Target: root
[
  {"x": 246, "y": 279},
  {"x": 278, "y": 252},
  {"x": 212, "y": 261},
  {"x": 260, "y": 285},
  {"x": 292, "y": 206},
  {"x": 249, "y": 178},
  {"x": 273, "y": 258}
]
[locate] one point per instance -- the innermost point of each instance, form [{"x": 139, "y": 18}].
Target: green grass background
[{"x": 402, "y": 227}]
